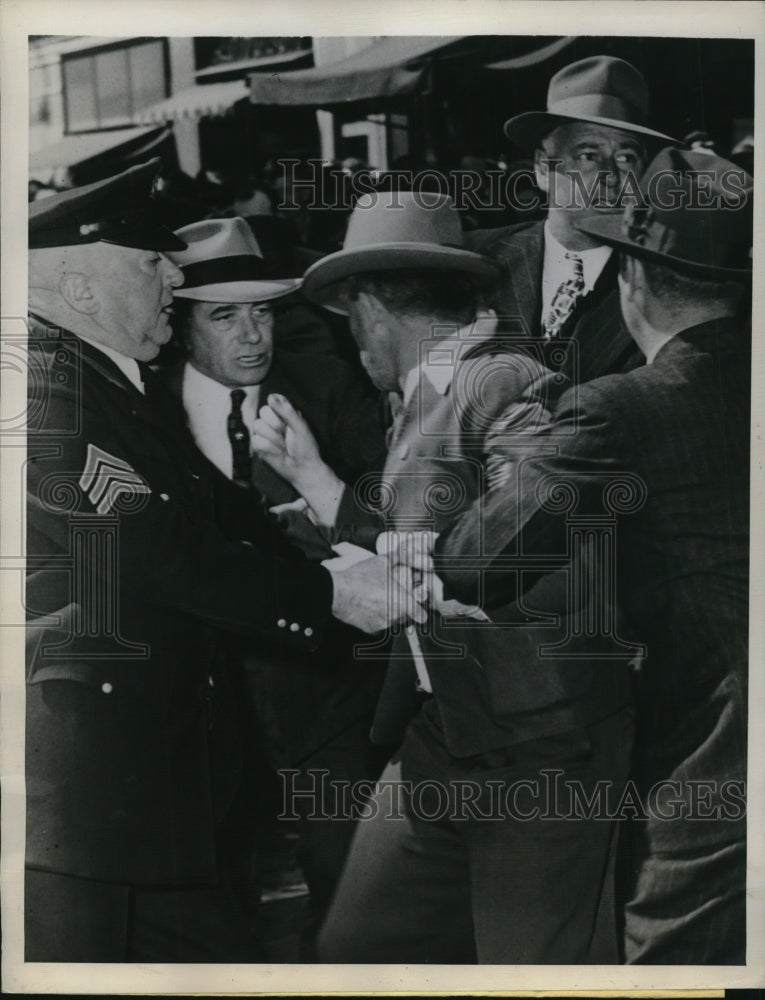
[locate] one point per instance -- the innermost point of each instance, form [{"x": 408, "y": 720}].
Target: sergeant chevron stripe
[{"x": 106, "y": 476}]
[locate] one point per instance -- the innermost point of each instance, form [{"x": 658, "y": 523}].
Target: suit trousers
[
  {"x": 689, "y": 908},
  {"x": 486, "y": 860},
  {"x": 70, "y": 919}
]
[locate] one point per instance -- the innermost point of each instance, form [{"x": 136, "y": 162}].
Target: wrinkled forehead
[{"x": 571, "y": 135}]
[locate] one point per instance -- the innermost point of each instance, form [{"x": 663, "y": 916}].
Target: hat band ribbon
[
  {"x": 598, "y": 106},
  {"x": 223, "y": 270}
]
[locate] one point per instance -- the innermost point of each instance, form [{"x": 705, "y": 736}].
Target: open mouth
[{"x": 252, "y": 360}]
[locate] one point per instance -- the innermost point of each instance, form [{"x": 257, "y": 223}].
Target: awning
[
  {"x": 195, "y": 102},
  {"x": 539, "y": 55},
  {"x": 74, "y": 150},
  {"x": 256, "y": 64},
  {"x": 392, "y": 67}
]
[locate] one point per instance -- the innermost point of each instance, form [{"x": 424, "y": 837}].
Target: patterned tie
[
  {"x": 565, "y": 300},
  {"x": 239, "y": 438}
]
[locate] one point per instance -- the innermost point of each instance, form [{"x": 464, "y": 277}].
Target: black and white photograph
[{"x": 382, "y": 486}]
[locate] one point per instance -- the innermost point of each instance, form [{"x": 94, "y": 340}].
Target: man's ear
[
  {"x": 370, "y": 308},
  {"x": 541, "y": 170},
  {"x": 77, "y": 292}
]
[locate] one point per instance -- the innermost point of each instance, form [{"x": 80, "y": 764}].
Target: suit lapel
[
  {"x": 604, "y": 345},
  {"x": 522, "y": 255}
]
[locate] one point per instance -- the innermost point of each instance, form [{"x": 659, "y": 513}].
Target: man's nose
[
  {"x": 250, "y": 330},
  {"x": 173, "y": 275}
]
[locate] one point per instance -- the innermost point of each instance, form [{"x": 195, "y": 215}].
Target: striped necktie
[{"x": 565, "y": 299}]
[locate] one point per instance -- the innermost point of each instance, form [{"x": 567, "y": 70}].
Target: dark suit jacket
[
  {"x": 132, "y": 750},
  {"x": 594, "y": 342},
  {"x": 309, "y": 699},
  {"x": 491, "y": 686},
  {"x": 677, "y": 433}
]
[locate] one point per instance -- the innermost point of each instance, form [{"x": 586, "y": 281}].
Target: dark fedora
[
  {"x": 600, "y": 90},
  {"x": 117, "y": 210},
  {"x": 707, "y": 232}
]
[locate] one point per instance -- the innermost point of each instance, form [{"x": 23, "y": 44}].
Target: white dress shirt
[
  {"x": 208, "y": 404},
  {"x": 556, "y": 268}
]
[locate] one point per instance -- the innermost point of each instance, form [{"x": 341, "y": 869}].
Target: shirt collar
[
  {"x": 202, "y": 387},
  {"x": 128, "y": 366},
  {"x": 593, "y": 260},
  {"x": 440, "y": 361}
]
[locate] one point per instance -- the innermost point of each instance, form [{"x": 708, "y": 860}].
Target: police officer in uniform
[{"x": 132, "y": 755}]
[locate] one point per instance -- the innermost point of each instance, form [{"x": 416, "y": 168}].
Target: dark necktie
[
  {"x": 565, "y": 299},
  {"x": 239, "y": 437}
]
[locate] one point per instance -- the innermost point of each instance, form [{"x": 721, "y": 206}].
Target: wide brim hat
[
  {"x": 223, "y": 262},
  {"x": 707, "y": 232},
  {"x": 396, "y": 231},
  {"x": 600, "y": 90},
  {"x": 119, "y": 210}
]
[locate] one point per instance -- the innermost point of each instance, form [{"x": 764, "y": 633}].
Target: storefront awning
[
  {"x": 389, "y": 68},
  {"x": 74, "y": 150},
  {"x": 536, "y": 57},
  {"x": 195, "y": 102}
]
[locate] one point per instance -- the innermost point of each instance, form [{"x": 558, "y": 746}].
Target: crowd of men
[{"x": 486, "y": 606}]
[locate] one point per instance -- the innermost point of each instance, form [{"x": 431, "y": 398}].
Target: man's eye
[
  {"x": 223, "y": 317},
  {"x": 261, "y": 312}
]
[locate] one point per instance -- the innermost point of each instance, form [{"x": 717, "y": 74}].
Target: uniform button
[
  {"x": 282, "y": 623},
  {"x": 308, "y": 632},
  {"x": 210, "y": 681},
  {"x": 194, "y": 475},
  {"x": 294, "y": 627},
  {"x": 163, "y": 496},
  {"x": 107, "y": 688}
]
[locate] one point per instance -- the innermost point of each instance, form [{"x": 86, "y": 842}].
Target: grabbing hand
[{"x": 373, "y": 594}]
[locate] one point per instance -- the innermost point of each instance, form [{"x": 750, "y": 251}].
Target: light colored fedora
[
  {"x": 394, "y": 231},
  {"x": 714, "y": 240},
  {"x": 601, "y": 90},
  {"x": 223, "y": 263}
]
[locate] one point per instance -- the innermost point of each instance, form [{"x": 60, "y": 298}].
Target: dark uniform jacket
[
  {"x": 131, "y": 754},
  {"x": 309, "y": 698},
  {"x": 676, "y": 435},
  {"x": 594, "y": 341}
]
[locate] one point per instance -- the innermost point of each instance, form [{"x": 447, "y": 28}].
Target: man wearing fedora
[
  {"x": 678, "y": 427},
  {"x": 589, "y": 144},
  {"x": 314, "y": 711},
  {"x": 464, "y": 696},
  {"x": 132, "y": 749}
]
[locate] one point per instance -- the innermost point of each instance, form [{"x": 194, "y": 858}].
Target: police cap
[{"x": 117, "y": 210}]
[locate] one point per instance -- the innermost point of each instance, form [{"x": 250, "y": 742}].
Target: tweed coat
[
  {"x": 491, "y": 687},
  {"x": 678, "y": 430}
]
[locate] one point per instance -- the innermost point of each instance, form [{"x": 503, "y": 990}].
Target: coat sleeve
[
  {"x": 122, "y": 480},
  {"x": 557, "y": 467}
]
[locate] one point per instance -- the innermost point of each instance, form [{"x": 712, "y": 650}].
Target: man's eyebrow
[
  {"x": 596, "y": 141},
  {"x": 223, "y": 308}
]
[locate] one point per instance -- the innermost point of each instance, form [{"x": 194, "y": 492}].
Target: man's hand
[
  {"x": 373, "y": 594},
  {"x": 409, "y": 548},
  {"x": 283, "y": 439}
]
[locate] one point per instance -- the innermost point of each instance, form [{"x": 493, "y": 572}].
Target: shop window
[{"x": 105, "y": 89}]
